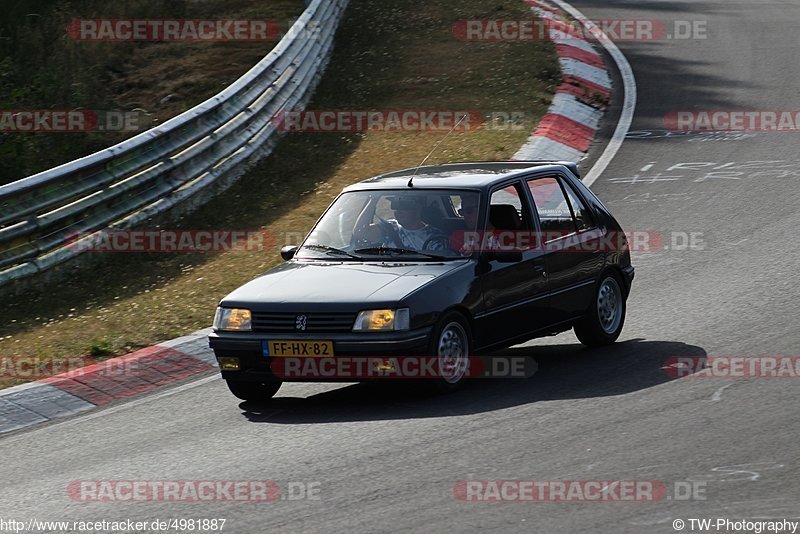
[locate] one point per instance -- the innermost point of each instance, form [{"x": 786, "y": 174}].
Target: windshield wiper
[
  {"x": 381, "y": 251},
  {"x": 331, "y": 250}
]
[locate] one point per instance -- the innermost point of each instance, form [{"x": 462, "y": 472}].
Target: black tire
[
  {"x": 254, "y": 391},
  {"x": 458, "y": 326},
  {"x": 602, "y": 326}
]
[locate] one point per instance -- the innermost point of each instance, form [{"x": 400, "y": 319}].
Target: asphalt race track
[{"x": 384, "y": 459}]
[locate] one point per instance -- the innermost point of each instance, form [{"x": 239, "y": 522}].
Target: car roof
[{"x": 460, "y": 175}]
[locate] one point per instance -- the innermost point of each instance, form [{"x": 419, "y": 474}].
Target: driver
[{"x": 409, "y": 230}]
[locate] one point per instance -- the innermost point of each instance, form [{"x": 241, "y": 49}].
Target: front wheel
[
  {"x": 450, "y": 346},
  {"x": 254, "y": 391},
  {"x": 605, "y": 318}
]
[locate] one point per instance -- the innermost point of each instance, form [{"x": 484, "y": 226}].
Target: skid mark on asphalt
[
  {"x": 717, "y": 396},
  {"x": 749, "y": 472},
  {"x": 646, "y": 197},
  {"x": 691, "y": 136}
]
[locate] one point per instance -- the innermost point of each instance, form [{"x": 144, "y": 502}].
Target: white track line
[{"x": 629, "y": 85}]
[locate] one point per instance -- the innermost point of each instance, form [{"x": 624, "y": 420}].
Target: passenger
[{"x": 467, "y": 241}]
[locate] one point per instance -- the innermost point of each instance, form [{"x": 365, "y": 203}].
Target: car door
[
  {"x": 571, "y": 242},
  {"x": 514, "y": 293}
]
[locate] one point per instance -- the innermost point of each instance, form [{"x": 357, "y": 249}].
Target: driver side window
[{"x": 509, "y": 215}]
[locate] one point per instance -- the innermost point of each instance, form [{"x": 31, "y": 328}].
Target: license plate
[{"x": 293, "y": 347}]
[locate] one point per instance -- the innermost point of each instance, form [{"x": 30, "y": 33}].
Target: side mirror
[{"x": 287, "y": 252}]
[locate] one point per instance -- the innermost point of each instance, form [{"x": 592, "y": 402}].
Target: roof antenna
[{"x": 411, "y": 180}]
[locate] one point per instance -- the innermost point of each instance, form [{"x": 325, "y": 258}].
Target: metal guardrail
[{"x": 40, "y": 216}]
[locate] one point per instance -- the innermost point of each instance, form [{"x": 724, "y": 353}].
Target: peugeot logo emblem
[{"x": 300, "y": 322}]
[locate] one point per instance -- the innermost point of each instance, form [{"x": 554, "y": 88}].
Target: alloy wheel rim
[
  {"x": 609, "y": 305},
  {"x": 452, "y": 352}
]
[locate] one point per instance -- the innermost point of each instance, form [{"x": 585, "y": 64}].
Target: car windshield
[{"x": 406, "y": 225}]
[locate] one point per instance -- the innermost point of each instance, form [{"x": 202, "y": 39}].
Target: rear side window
[
  {"x": 583, "y": 217},
  {"x": 561, "y": 211},
  {"x": 555, "y": 213}
]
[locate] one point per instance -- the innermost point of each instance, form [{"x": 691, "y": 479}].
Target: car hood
[{"x": 339, "y": 286}]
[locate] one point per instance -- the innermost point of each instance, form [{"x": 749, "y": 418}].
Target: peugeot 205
[{"x": 440, "y": 261}]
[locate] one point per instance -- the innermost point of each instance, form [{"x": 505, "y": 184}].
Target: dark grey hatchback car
[{"x": 439, "y": 262}]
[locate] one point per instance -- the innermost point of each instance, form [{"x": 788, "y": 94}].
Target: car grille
[{"x": 315, "y": 322}]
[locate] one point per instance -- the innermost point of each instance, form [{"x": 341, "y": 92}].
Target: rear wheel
[
  {"x": 450, "y": 345},
  {"x": 254, "y": 391},
  {"x": 603, "y": 323}
]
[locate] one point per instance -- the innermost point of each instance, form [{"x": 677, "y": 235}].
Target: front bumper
[{"x": 254, "y": 366}]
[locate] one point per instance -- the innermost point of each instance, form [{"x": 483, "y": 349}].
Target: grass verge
[{"x": 402, "y": 56}]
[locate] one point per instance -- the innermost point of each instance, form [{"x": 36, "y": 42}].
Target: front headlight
[
  {"x": 232, "y": 319},
  {"x": 382, "y": 320}
]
